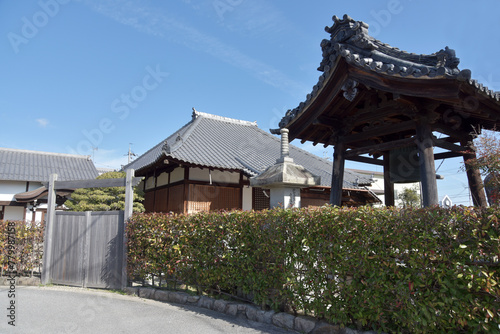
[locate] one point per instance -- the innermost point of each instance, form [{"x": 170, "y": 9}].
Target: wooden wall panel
[
  {"x": 313, "y": 202},
  {"x": 149, "y": 201},
  {"x": 161, "y": 204},
  {"x": 176, "y": 199}
]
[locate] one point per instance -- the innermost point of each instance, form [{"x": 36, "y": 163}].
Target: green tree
[
  {"x": 104, "y": 199},
  {"x": 487, "y": 162},
  {"x": 409, "y": 198}
]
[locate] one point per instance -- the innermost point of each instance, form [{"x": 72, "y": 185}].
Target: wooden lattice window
[
  {"x": 261, "y": 199},
  {"x": 210, "y": 198}
]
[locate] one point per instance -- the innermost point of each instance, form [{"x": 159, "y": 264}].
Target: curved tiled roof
[
  {"x": 225, "y": 143},
  {"x": 350, "y": 41},
  {"x": 24, "y": 165}
]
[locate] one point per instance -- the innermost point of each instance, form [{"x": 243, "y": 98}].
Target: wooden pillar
[
  {"x": 388, "y": 185},
  {"x": 49, "y": 227},
  {"x": 474, "y": 176},
  {"x": 425, "y": 149},
  {"x": 337, "y": 174},
  {"x": 186, "y": 190},
  {"x": 129, "y": 194}
]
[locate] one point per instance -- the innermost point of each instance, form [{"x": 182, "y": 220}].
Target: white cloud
[
  {"x": 108, "y": 158},
  {"x": 42, "y": 122},
  {"x": 152, "y": 21}
]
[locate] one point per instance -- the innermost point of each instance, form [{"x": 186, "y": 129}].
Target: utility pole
[
  {"x": 93, "y": 152},
  {"x": 130, "y": 154}
]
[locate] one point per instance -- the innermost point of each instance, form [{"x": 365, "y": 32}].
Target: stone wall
[{"x": 302, "y": 324}]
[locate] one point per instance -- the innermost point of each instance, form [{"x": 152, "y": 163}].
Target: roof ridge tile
[{"x": 66, "y": 155}]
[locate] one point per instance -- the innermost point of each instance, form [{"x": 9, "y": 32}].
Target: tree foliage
[
  {"x": 409, "y": 198},
  {"x": 104, "y": 199},
  {"x": 487, "y": 162}
]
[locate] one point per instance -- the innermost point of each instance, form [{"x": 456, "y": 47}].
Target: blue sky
[{"x": 87, "y": 74}]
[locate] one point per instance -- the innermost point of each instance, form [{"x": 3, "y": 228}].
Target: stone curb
[
  {"x": 20, "y": 281},
  {"x": 288, "y": 321}
]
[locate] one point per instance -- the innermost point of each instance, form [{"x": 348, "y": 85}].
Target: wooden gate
[{"x": 87, "y": 249}]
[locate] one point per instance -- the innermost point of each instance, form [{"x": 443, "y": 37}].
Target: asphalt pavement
[{"x": 58, "y": 309}]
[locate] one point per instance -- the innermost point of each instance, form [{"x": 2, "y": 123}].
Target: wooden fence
[{"x": 87, "y": 249}]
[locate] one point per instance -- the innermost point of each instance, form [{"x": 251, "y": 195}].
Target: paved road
[{"x": 49, "y": 310}]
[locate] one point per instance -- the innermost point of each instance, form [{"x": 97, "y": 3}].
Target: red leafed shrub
[
  {"x": 21, "y": 243},
  {"x": 410, "y": 271}
]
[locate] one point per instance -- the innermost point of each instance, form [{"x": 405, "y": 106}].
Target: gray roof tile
[
  {"x": 225, "y": 143},
  {"x": 23, "y": 165}
]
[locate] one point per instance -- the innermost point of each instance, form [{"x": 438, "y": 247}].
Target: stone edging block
[
  {"x": 301, "y": 324},
  {"x": 20, "y": 281}
]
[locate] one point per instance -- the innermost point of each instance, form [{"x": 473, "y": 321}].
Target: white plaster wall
[
  {"x": 198, "y": 174},
  {"x": 150, "y": 182},
  {"x": 13, "y": 213},
  {"x": 225, "y": 177},
  {"x": 177, "y": 175},
  {"x": 247, "y": 198},
  {"x": 34, "y": 185},
  {"x": 162, "y": 179},
  {"x": 285, "y": 197},
  {"x": 9, "y": 188},
  {"x": 38, "y": 217}
]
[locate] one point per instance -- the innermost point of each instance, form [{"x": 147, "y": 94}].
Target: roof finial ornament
[
  {"x": 166, "y": 147},
  {"x": 350, "y": 90}
]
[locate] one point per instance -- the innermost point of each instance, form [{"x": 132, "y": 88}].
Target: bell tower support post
[
  {"x": 425, "y": 149},
  {"x": 338, "y": 174},
  {"x": 473, "y": 176},
  {"x": 389, "y": 199}
]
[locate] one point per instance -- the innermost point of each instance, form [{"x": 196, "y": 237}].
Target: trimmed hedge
[
  {"x": 419, "y": 271},
  {"x": 24, "y": 247}
]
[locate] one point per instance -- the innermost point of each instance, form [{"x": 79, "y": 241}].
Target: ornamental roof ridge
[
  {"x": 349, "y": 40},
  {"x": 197, "y": 114},
  {"x": 63, "y": 155}
]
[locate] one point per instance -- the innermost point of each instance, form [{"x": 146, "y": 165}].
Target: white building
[
  {"x": 22, "y": 194},
  {"x": 377, "y": 186}
]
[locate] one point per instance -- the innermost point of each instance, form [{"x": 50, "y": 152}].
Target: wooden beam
[
  {"x": 330, "y": 122},
  {"x": 380, "y": 147},
  {"x": 337, "y": 174},
  {"x": 443, "y": 143},
  {"x": 380, "y": 131},
  {"x": 366, "y": 160},
  {"x": 427, "y": 167},
  {"x": 95, "y": 183},
  {"x": 372, "y": 113},
  {"x": 311, "y": 112},
  {"x": 453, "y": 131},
  {"x": 447, "y": 155}
]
